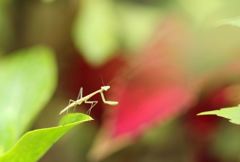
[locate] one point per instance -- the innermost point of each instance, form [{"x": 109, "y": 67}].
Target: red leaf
[{"x": 141, "y": 107}]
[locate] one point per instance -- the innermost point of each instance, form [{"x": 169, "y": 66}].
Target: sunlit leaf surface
[
  {"x": 35, "y": 143},
  {"x": 231, "y": 113}
]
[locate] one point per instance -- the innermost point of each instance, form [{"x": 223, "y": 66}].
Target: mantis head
[{"x": 105, "y": 88}]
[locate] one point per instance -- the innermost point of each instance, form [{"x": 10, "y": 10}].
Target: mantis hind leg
[
  {"x": 80, "y": 95},
  {"x": 93, "y": 103},
  {"x": 70, "y": 101}
]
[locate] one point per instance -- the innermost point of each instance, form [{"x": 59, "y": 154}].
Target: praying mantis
[{"x": 85, "y": 99}]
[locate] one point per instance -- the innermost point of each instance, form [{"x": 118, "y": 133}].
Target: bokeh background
[{"x": 165, "y": 60}]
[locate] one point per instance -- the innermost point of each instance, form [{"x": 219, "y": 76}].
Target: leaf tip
[
  {"x": 207, "y": 113},
  {"x": 74, "y": 117}
]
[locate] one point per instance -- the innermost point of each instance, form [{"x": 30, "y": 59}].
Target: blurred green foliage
[
  {"x": 104, "y": 27},
  {"x": 6, "y": 30},
  {"x": 145, "y": 18},
  {"x": 95, "y": 31},
  {"x": 234, "y": 21},
  {"x": 28, "y": 80},
  {"x": 226, "y": 142}
]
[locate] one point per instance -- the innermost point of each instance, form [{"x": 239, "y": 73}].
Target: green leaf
[
  {"x": 231, "y": 113},
  {"x": 32, "y": 146},
  {"x": 95, "y": 31},
  {"x": 27, "y": 81}
]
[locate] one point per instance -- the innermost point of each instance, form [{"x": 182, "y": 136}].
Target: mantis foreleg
[{"x": 112, "y": 103}]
